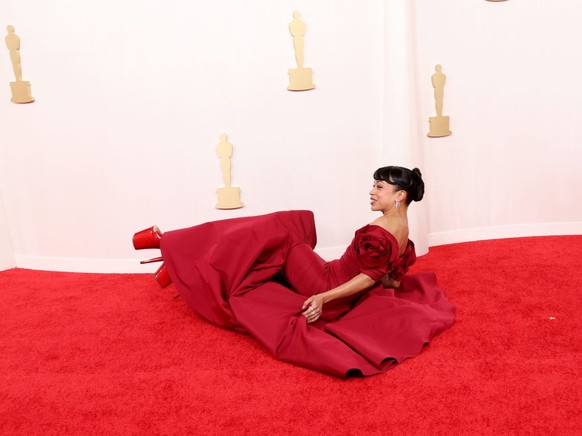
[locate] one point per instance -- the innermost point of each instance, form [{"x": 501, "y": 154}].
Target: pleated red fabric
[{"x": 253, "y": 274}]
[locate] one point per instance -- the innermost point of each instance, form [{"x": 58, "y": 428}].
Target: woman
[{"x": 358, "y": 315}]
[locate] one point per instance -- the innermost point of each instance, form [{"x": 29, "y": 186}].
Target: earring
[{"x": 397, "y": 204}]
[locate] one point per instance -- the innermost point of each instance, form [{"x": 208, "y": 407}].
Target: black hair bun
[{"x": 418, "y": 192}]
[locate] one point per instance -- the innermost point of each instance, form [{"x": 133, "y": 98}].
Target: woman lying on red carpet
[{"x": 357, "y": 315}]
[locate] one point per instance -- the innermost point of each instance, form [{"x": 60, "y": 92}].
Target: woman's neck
[{"x": 400, "y": 212}]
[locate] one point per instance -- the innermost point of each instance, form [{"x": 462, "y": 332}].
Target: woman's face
[{"x": 383, "y": 196}]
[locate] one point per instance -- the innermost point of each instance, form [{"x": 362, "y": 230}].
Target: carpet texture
[{"x": 115, "y": 354}]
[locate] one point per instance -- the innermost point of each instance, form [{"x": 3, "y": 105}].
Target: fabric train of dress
[{"x": 253, "y": 274}]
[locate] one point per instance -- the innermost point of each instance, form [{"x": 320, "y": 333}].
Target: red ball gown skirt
[{"x": 253, "y": 275}]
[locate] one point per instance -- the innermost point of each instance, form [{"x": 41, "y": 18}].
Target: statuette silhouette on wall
[
  {"x": 228, "y": 196},
  {"x": 301, "y": 78},
  {"x": 439, "y": 125},
  {"x": 21, "y": 92}
]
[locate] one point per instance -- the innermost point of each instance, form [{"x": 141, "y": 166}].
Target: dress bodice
[{"x": 374, "y": 252}]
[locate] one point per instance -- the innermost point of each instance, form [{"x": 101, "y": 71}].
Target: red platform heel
[
  {"x": 163, "y": 277},
  {"x": 155, "y": 259},
  {"x": 148, "y": 238}
]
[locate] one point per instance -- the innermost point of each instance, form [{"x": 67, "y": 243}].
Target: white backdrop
[
  {"x": 132, "y": 96},
  {"x": 514, "y": 94}
]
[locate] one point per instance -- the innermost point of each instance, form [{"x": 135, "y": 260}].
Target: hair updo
[{"x": 404, "y": 180}]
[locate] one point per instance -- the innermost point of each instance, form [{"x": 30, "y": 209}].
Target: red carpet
[{"x": 114, "y": 354}]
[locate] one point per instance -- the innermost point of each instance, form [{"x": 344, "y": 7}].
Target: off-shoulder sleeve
[
  {"x": 374, "y": 248},
  {"x": 408, "y": 259}
]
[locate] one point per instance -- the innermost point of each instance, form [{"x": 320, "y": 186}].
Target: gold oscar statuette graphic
[
  {"x": 21, "y": 92},
  {"x": 439, "y": 125},
  {"x": 228, "y": 196},
  {"x": 300, "y": 77}
]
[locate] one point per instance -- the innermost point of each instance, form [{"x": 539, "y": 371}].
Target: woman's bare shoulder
[
  {"x": 397, "y": 228},
  {"x": 394, "y": 226}
]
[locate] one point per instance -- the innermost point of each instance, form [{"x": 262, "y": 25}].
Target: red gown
[{"x": 253, "y": 275}]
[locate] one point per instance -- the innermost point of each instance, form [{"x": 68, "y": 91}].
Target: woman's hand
[
  {"x": 313, "y": 307},
  {"x": 389, "y": 282}
]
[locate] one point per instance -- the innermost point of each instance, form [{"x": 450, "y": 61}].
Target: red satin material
[{"x": 253, "y": 275}]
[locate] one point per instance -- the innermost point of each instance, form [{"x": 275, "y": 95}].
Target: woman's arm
[{"x": 314, "y": 304}]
